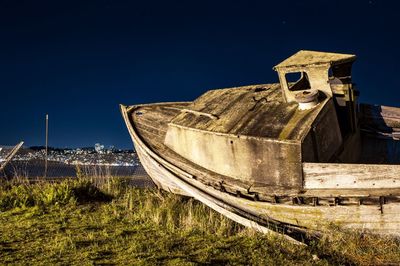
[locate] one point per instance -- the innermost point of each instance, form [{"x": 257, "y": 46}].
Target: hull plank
[{"x": 350, "y": 176}]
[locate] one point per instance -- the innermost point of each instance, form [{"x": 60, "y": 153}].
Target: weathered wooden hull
[
  {"x": 175, "y": 183},
  {"x": 176, "y": 175}
]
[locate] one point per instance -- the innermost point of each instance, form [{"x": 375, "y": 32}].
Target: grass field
[{"x": 84, "y": 222}]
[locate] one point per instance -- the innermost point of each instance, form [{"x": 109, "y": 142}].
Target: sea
[{"x": 34, "y": 169}]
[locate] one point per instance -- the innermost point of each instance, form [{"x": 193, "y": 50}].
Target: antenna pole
[{"x": 47, "y": 138}]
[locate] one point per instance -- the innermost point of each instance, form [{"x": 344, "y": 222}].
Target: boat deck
[{"x": 151, "y": 122}]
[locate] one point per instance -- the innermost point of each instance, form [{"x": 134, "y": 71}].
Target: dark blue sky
[{"x": 77, "y": 60}]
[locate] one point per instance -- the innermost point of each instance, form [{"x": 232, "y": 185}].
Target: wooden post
[{"x": 47, "y": 136}]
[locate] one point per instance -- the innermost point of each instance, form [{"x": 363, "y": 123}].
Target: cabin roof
[
  {"x": 306, "y": 58},
  {"x": 258, "y": 111}
]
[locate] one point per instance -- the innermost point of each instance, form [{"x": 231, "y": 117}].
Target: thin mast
[{"x": 47, "y": 137}]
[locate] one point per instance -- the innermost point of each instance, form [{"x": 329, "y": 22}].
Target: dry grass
[{"x": 107, "y": 222}]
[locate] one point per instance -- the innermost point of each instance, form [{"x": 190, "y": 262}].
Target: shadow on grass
[{"x": 89, "y": 193}]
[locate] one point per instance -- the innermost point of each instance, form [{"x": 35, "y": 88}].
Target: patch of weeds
[
  {"x": 47, "y": 194},
  {"x": 357, "y": 248}
]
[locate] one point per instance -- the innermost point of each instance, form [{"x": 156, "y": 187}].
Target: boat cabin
[
  {"x": 263, "y": 133},
  {"x": 327, "y": 73}
]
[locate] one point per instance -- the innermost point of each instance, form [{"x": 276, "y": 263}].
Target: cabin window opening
[
  {"x": 333, "y": 77},
  {"x": 330, "y": 73},
  {"x": 340, "y": 74},
  {"x": 297, "y": 81}
]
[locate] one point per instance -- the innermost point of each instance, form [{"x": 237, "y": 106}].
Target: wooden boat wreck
[{"x": 292, "y": 156}]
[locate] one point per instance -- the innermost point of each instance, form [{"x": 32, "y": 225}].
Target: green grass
[{"x": 77, "y": 222}]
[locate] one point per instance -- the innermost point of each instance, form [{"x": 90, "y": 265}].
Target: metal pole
[{"x": 47, "y": 136}]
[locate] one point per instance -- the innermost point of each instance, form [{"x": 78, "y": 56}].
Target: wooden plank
[
  {"x": 350, "y": 176},
  {"x": 390, "y": 112},
  {"x": 379, "y": 116},
  {"x": 11, "y": 155},
  {"x": 351, "y": 193}
]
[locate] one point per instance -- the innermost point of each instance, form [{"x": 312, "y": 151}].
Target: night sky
[{"x": 77, "y": 60}]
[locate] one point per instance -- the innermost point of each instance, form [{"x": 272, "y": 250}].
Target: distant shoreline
[{"x": 56, "y": 169}]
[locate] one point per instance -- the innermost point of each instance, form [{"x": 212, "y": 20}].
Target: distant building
[{"x": 99, "y": 148}]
